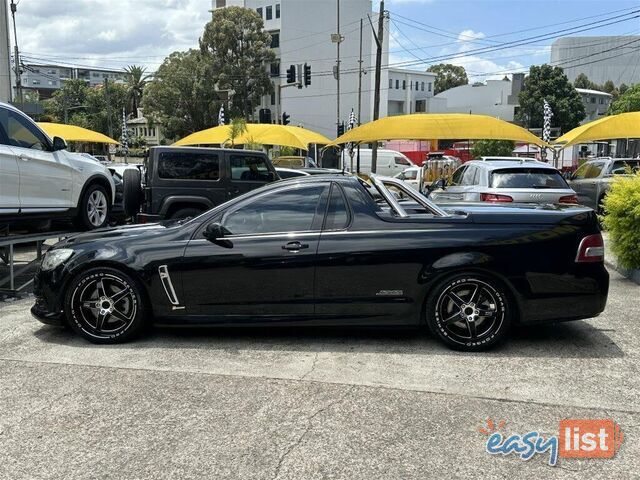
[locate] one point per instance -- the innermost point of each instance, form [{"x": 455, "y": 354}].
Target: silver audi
[{"x": 504, "y": 182}]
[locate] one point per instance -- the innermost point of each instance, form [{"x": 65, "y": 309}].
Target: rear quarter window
[
  {"x": 527, "y": 178},
  {"x": 188, "y": 166}
]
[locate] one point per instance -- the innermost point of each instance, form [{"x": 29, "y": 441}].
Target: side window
[
  {"x": 188, "y": 166},
  {"x": 249, "y": 168},
  {"x": 402, "y": 161},
  {"x": 20, "y": 132},
  {"x": 337, "y": 214},
  {"x": 456, "y": 178},
  {"x": 281, "y": 211},
  {"x": 469, "y": 176}
]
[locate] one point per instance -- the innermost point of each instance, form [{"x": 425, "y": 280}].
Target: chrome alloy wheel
[
  {"x": 97, "y": 208},
  {"x": 470, "y": 311},
  {"x": 104, "y": 305}
]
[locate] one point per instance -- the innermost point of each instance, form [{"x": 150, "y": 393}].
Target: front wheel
[
  {"x": 469, "y": 312},
  {"x": 104, "y": 305},
  {"x": 94, "y": 208}
]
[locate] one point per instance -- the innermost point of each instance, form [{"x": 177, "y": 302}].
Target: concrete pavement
[{"x": 309, "y": 404}]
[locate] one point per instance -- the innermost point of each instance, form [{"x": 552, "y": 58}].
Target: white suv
[{"x": 39, "y": 178}]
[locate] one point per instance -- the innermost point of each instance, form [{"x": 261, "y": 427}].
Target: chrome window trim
[{"x": 379, "y": 182}]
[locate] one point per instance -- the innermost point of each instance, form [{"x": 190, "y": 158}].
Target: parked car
[
  {"x": 321, "y": 251},
  {"x": 388, "y": 162},
  {"x": 507, "y": 159},
  {"x": 592, "y": 179},
  {"x": 411, "y": 176},
  {"x": 182, "y": 182},
  {"x": 285, "y": 173},
  {"x": 39, "y": 178},
  {"x": 293, "y": 162},
  {"x": 505, "y": 182}
]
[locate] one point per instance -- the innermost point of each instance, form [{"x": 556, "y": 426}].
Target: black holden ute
[{"x": 332, "y": 251}]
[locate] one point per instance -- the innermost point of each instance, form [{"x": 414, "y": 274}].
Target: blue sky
[
  {"x": 114, "y": 33},
  {"x": 464, "y": 26}
]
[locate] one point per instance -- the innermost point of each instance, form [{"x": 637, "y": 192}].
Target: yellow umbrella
[
  {"x": 624, "y": 125},
  {"x": 438, "y": 126},
  {"x": 264, "y": 133},
  {"x": 73, "y": 133}
]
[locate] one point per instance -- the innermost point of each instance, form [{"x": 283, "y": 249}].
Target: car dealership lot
[{"x": 309, "y": 403}]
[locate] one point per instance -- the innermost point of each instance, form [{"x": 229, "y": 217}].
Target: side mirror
[
  {"x": 440, "y": 183},
  {"x": 59, "y": 144},
  {"x": 215, "y": 231},
  {"x": 273, "y": 177}
]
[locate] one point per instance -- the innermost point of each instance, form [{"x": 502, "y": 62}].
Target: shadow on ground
[{"x": 565, "y": 340}]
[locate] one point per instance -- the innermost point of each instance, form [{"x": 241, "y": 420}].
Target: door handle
[
  {"x": 295, "y": 246},
  {"x": 24, "y": 158}
]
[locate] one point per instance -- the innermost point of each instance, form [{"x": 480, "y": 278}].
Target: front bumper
[
  {"x": 49, "y": 318},
  {"x": 48, "y": 306}
]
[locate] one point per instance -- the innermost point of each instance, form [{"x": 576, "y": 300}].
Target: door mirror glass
[{"x": 59, "y": 144}]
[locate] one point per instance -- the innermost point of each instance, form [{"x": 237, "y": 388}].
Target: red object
[
  {"x": 569, "y": 199},
  {"x": 591, "y": 249},
  {"x": 493, "y": 197},
  {"x": 415, "y": 157}
]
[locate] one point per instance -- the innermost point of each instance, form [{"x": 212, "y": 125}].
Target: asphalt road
[{"x": 267, "y": 404}]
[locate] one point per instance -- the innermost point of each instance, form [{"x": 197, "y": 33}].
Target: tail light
[
  {"x": 494, "y": 197},
  {"x": 591, "y": 249},
  {"x": 573, "y": 199}
]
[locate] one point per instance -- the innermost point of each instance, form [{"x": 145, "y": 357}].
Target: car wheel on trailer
[
  {"x": 105, "y": 305},
  {"x": 94, "y": 208},
  {"x": 469, "y": 312}
]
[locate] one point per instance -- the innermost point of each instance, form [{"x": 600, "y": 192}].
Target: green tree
[
  {"x": 136, "y": 80},
  {"x": 237, "y": 52},
  {"x": 608, "y": 87},
  {"x": 623, "y": 88},
  {"x": 104, "y": 106},
  {"x": 493, "y": 148},
  {"x": 181, "y": 97},
  {"x": 238, "y": 126},
  {"x": 550, "y": 83},
  {"x": 629, "y": 101},
  {"x": 65, "y": 103},
  {"x": 582, "y": 81},
  {"x": 448, "y": 76}
]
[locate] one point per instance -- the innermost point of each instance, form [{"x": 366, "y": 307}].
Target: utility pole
[
  {"x": 16, "y": 54},
  {"x": 376, "y": 98},
  {"x": 106, "y": 96},
  {"x": 359, "y": 96},
  {"x": 338, "y": 62}
]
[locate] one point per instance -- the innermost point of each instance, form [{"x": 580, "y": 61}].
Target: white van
[{"x": 389, "y": 162}]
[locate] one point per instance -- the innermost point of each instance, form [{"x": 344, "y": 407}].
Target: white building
[
  {"x": 497, "y": 98},
  {"x": 596, "y": 103},
  {"x": 301, "y": 33},
  {"x": 409, "y": 91},
  {"x": 5, "y": 56},
  {"x": 142, "y": 128},
  {"x": 612, "y": 58}
]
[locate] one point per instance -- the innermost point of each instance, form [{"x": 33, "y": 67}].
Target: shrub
[{"x": 622, "y": 219}]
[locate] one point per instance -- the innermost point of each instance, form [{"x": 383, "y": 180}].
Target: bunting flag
[
  {"x": 352, "y": 124},
  {"x": 221, "y": 115},
  {"x": 124, "y": 139},
  {"x": 548, "y": 114}
]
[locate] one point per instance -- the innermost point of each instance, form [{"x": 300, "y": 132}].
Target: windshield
[
  {"x": 527, "y": 178},
  {"x": 588, "y": 170}
]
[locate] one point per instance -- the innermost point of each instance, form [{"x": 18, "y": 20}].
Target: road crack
[{"x": 313, "y": 366}]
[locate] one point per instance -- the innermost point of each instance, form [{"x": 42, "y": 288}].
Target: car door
[
  {"x": 247, "y": 172},
  {"x": 263, "y": 269},
  {"x": 9, "y": 178},
  {"x": 584, "y": 182},
  {"x": 45, "y": 176}
]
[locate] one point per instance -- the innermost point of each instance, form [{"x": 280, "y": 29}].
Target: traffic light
[
  {"x": 307, "y": 75},
  {"x": 285, "y": 118},
  {"x": 291, "y": 74},
  {"x": 341, "y": 128}
]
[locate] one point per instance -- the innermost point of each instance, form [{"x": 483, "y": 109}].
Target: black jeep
[{"x": 179, "y": 182}]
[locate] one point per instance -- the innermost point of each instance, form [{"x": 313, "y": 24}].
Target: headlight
[{"x": 53, "y": 258}]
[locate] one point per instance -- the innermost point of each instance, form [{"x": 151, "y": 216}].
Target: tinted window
[
  {"x": 527, "y": 178},
  {"x": 337, "y": 216},
  {"x": 281, "y": 211},
  {"x": 402, "y": 161},
  {"x": 189, "y": 166},
  {"x": 620, "y": 167},
  {"x": 249, "y": 168},
  {"x": 20, "y": 132},
  {"x": 588, "y": 170},
  {"x": 456, "y": 178},
  {"x": 277, "y": 10}
]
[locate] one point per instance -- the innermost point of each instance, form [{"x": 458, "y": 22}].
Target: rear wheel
[
  {"x": 104, "y": 305},
  {"x": 185, "y": 212},
  {"x": 469, "y": 312},
  {"x": 131, "y": 191}
]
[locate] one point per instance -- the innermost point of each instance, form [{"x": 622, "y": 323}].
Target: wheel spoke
[
  {"x": 102, "y": 317},
  {"x": 101, "y": 290},
  {"x": 486, "y": 313},
  {"x": 120, "y": 316},
  {"x": 89, "y": 304},
  {"x": 475, "y": 294},
  {"x": 472, "y": 329},
  {"x": 456, "y": 299},
  {"x": 452, "y": 319},
  {"x": 120, "y": 295}
]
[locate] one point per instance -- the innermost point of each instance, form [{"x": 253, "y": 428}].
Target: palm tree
[{"x": 136, "y": 80}]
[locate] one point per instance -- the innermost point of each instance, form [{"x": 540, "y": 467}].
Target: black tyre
[
  {"x": 105, "y": 305},
  {"x": 94, "y": 208},
  {"x": 469, "y": 312},
  {"x": 131, "y": 191},
  {"x": 185, "y": 212}
]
